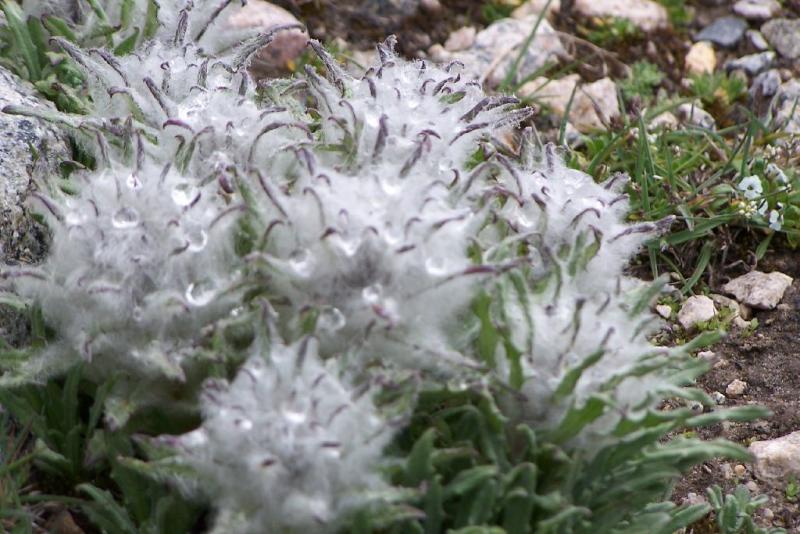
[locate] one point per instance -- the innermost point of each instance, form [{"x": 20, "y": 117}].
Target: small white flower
[
  {"x": 751, "y": 186},
  {"x": 773, "y": 171},
  {"x": 776, "y": 218}
]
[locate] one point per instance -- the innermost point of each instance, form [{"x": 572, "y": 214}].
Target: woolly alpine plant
[
  {"x": 288, "y": 445},
  {"x": 145, "y": 257},
  {"x": 450, "y": 323},
  {"x": 370, "y": 229}
]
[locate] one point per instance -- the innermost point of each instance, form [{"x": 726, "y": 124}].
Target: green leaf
[
  {"x": 22, "y": 39},
  {"x": 571, "y": 377},
  {"x": 487, "y": 338},
  {"x": 105, "y": 512},
  {"x": 419, "y": 466},
  {"x": 577, "y": 418},
  {"x": 128, "y": 44},
  {"x": 469, "y": 479},
  {"x": 58, "y": 27},
  {"x": 433, "y": 506}
]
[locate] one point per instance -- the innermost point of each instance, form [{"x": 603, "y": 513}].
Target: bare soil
[{"x": 769, "y": 362}]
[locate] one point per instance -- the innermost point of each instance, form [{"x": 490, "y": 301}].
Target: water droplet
[
  {"x": 194, "y": 439},
  {"x": 372, "y": 294},
  {"x": 133, "y": 182},
  {"x": 347, "y": 246},
  {"x": 331, "y": 319},
  {"x": 74, "y": 218},
  {"x": 125, "y": 218},
  {"x": 184, "y": 194},
  {"x": 201, "y": 293},
  {"x": 197, "y": 239},
  {"x": 294, "y": 417},
  {"x": 332, "y": 452},
  {"x": 300, "y": 261},
  {"x": 436, "y": 266},
  {"x": 244, "y": 424}
]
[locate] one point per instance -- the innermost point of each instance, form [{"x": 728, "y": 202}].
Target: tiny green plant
[
  {"x": 734, "y": 511},
  {"x": 792, "y": 490},
  {"x": 642, "y": 79},
  {"x": 609, "y": 31}
]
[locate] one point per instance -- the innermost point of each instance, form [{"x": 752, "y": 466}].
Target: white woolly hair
[
  {"x": 372, "y": 222},
  {"x": 288, "y": 445},
  {"x": 140, "y": 261}
]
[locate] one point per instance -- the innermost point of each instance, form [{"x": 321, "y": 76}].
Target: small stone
[
  {"x": 741, "y": 324},
  {"x": 767, "y": 514},
  {"x": 759, "y": 290},
  {"x": 736, "y": 388},
  {"x": 777, "y": 460},
  {"x": 745, "y": 311},
  {"x": 645, "y": 14},
  {"x": 756, "y": 39},
  {"x": 431, "y": 6},
  {"x": 784, "y": 35},
  {"x": 757, "y": 9},
  {"x": 664, "y": 311},
  {"x": 708, "y": 355},
  {"x": 721, "y": 301},
  {"x": 461, "y": 39},
  {"x": 752, "y": 487},
  {"x": 701, "y": 58},
  {"x": 765, "y": 85},
  {"x": 534, "y": 7},
  {"x": 589, "y": 98},
  {"x": 497, "y": 47},
  {"x": 258, "y": 16},
  {"x": 786, "y": 110},
  {"x": 696, "y": 115},
  {"x": 752, "y": 64},
  {"x": 666, "y": 120},
  {"x": 719, "y": 398},
  {"x": 739, "y": 470},
  {"x": 726, "y": 470},
  {"x": 596, "y": 106},
  {"x": 693, "y": 499},
  {"x": 695, "y": 406},
  {"x": 696, "y": 309},
  {"x": 725, "y": 31}
]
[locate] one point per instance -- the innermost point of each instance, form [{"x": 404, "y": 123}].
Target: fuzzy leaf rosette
[
  {"x": 140, "y": 262},
  {"x": 289, "y": 445}
]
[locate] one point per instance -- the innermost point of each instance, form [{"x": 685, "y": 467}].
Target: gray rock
[
  {"x": 756, "y": 39},
  {"x": 736, "y": 388},
  {"x": 721, "y": 301},
  {"x": 696, "y": 115},
  {"x": 765, "y": 85},
  {"x": 784, "y": 35},
  {"x": 757, "y": 9},
  {"x": 759, "y": 290},
  {"x": 19, "y": 137},
  {"x": 258, "y": 16},
  {"x": 752, "y": 64},
  {"x": 696, "y": 309},
  {"x": 787, "y": 107},
  {"x": 725, "y": 31},
  {"x": 777, "y": 460},
  {"x": 496, "y": 48},
  {"x": 645, "y": 14}
]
